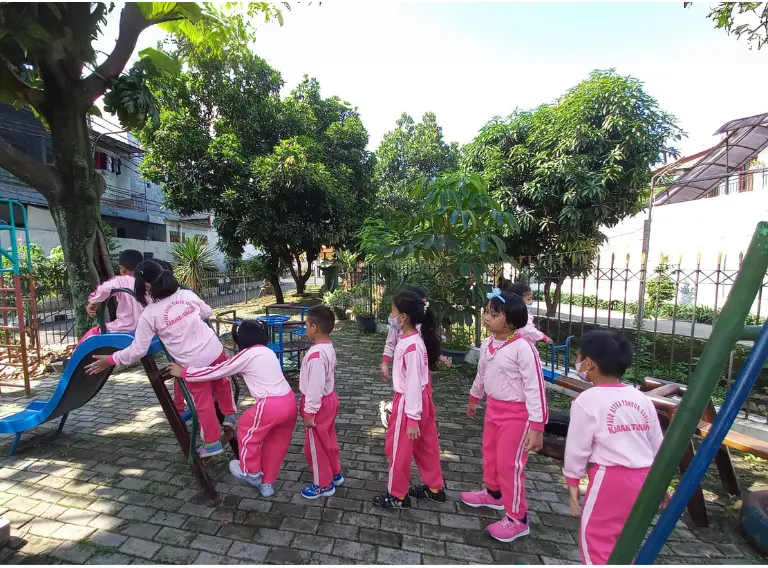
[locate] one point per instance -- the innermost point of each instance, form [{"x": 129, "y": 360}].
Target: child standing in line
[
  {"x": 319, "y": 405},
  {"x": 412, "y": 431},
  {"x": 128, "y": 309},
  {"x": 615, "y": 428},
  {"x": 509, "y": 373},
  {"x": 264, "y": 430},
  {"x": 529, "y": 332},
  {"x": 176, "y": 316}
]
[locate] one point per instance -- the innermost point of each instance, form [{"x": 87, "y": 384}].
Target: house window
[
  {"x": 176, "y": 237},
  {"x": 121, "y": 233},
  {"x": 746, "y": 180},
  {"x": 149, "y": 255}
]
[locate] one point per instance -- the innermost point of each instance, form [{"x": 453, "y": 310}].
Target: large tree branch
[
  {"x": 34, "y": 97},
  {"x": 42, "y": 177},
  {"x": 132, "y": 23}
]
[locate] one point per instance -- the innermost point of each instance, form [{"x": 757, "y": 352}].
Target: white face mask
[
  {"x": 579, "y": 373},
  {"x": 394, "y": 324},
  {"x": 530, "y": 308}
]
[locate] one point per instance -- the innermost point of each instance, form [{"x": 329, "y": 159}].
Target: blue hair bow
[{"x": 496, "y": 293}]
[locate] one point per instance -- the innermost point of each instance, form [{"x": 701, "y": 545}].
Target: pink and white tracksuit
[
  {"x": 178, "y": 322},
  {"x": 615, "y": 428},
  {"x": 264, "y": 430},
  {"x": 412, "y": 405},
  {"x": 128, "y": 308},
  {"x": 393, "y": 335},
  {"x": 531, "y": 332},
  {"x": 509, "y": 373},
  {"x": 319, "y": 401}
]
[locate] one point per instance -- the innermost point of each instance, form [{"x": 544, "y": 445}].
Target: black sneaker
[
  {"x": 422, "y": 491},
  {"x": 388, "y": 501}
]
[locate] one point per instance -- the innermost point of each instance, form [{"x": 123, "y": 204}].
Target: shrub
[{"x": 338, "y": 299}]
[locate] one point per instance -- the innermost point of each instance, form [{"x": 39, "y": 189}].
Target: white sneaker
[
  {"x": 266, "y": 489},
  {"x": 253, "y": 479}
]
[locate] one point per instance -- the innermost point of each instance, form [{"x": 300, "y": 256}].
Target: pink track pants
[
  {"x": 264, "y": 432},
  {"x": 93, "y": 331},
  {"x": 321, "y": 447},
  {"x": 504, "y": 454},
  {"x": 401, "y": 451},
  {"x": 202, "y": 394},
  {"x": 611, "y": 494}
]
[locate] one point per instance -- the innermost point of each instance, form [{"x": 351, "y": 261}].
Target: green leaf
[
  {"x": 483, "y": 244},
  {"x": 94, "y": 111},
  {"x": 161, "y": 60},
  {"x": 499, "y": 243}
]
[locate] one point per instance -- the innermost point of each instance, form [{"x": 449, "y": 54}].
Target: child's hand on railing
[
  {"x": 175, "y": 369},
  {"x": 91, "y": 309}
]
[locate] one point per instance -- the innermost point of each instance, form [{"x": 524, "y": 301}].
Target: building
[{"x": 130, "y": 205}]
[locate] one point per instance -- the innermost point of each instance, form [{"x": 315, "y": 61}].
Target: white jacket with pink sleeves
[
  {"x": 393, "y": 335},
  {"x": 410, "y": 373},
  {"x": 128, "y": 308},
  {"x": 259, "y": 366},
  {"x": 531, "y": 332},
  {"x": 611, "y": 425},
  {"x": 317, "y": 376},
  {"x": 511, "y": 371},
  {"x": 178, "y": 322}
]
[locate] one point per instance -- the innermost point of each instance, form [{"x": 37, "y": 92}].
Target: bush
[
  {"x": 462, "y": 338},
  {"x": 338, "y": 299}
]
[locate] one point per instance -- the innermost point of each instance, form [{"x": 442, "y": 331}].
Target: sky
[{"x": 468, "y": 62}]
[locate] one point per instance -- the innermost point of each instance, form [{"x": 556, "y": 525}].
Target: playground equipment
[
  {"x": 728, "y": 329},
  {"x": 17, "y": 296},
  {"x": 75, "y": 389}
]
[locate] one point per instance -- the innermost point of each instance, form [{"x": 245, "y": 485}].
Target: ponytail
[
  {"x": 162, "y": 282},
  {"x": 420, "y": 313}
]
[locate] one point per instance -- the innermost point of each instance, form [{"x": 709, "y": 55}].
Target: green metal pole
[
  {"x": 750, "y": 332},
  {"x": 727, "y": 330}
]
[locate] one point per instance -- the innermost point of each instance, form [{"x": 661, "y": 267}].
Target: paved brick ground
[{"x": 114, "y": 488}]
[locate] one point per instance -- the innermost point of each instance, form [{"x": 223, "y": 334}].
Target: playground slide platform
[{"x": 75, "y": 388}]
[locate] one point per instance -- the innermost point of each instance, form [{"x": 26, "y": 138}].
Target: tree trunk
[
  {"x": 553, "y": 300},
  {"x": 296, "y": 274},
  {"x": 75, "y": 208},
  {"x": 274, "y": 279}
]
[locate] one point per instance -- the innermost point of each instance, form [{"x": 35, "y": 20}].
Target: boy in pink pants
[
  {"x": 128, "y": 309},
  {"x": 412, "y": 431},
  {"x": 509, "y": 373},
  {"x": 615, "y": 428},
  {"x": 264, "y": 430},
  {"x": 320, "y": 406}
]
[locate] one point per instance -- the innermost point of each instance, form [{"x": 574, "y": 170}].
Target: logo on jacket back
[
  {"x": 177, "y": 311},
  {"x": 627, "y": 416}
]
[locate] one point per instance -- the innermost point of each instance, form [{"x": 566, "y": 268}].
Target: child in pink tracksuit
[
  {"x": 128, "y": 308},
  {"x": 509, "y": 373},
  {"x": 264, "y": 430},
  {"x": 529, "y": 332},
  {"x": 615, "y": 428},
  {"x": 412, "y": 431},
  {"x": 319, "y": 406},
  {"x": 176, "y": 316}
]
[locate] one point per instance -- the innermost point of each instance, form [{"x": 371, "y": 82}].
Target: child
[
  {"x": 178, "y": 395},
  {"x": 264, "y": 430},
  {"x": 509, "y": 372},
  {"x": 615, "y": 428},
  {"x": 176, "y": 317},
  {"x": 529, "y": 332},
  {"x": 128, "y": 309},
  {"x": 320, "y": 405},
  {"x": 413, "y": 427}
]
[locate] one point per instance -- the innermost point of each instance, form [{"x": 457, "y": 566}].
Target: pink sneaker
[
  {"x": 481, "y": 499},
  {"x": 507, "y": 530}
]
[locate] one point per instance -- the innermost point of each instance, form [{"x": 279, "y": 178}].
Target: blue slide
[{"x": 75, "y": 389}]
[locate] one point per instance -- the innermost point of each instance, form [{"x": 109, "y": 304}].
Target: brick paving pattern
[{"x": 115, "y": 489}]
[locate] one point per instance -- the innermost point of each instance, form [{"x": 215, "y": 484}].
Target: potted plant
[
  {"x": 366, "y": 321},
  {"x": 340, "y": 301},
  {"x": 458, "y": 346}
]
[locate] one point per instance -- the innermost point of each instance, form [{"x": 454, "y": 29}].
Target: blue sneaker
[
  {"x": 209, "y": 450},
  {"x": 338, "y": 479},
  {"x": 253, "y": 479},
  {"x": 228, "y": 422},
  {"x": 315, "y": 491},
  {"x": 266, "y": 489}
]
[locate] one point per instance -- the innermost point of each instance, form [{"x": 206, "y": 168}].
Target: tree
[
  {"x": 569, "y": 168},
  {"x": 752, "y": 20},
  {"x": 410, "y": 152},
  {"x": 287, "y": 175},
  {"x": 48, "y": 63},
  {"x": 193, "y": 260},
  {"x": 456, "y": 231}
]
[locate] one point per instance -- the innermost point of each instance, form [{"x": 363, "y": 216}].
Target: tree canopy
[
  {"x": 568, "y": 168},
  {"x": 286, "y": 174},
  {"x": 48, "y": 63},
  {"x": 411, "y": 151},
  {"x": 749, "y": 19}
]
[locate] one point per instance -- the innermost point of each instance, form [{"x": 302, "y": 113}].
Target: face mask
[
  {"x": 530, "y": 308},
  {"x": 581, "y": 374},
  {"x": 394, "y": 324}
]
